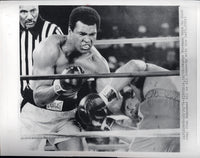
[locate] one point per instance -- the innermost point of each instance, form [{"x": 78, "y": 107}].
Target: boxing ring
[{"x": 149, "y": 133}]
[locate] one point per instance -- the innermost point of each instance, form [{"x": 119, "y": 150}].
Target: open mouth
[{"x": 86, "y": 47}]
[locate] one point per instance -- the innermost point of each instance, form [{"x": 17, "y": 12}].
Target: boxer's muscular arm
[
  {"x": 150, "y": 82},
  {"x": 103, "y": 64},
  {"x": 45, "y": 57},
  {"x": 139, "y": 65},
  {"x": 130, "y": 67},
  {"x": 102, "y": 61}
]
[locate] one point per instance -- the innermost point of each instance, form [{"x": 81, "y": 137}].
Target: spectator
[{"x": 171, "y": 62}]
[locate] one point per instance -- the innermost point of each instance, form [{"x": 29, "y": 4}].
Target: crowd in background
[{"x": 164, "y": 54}]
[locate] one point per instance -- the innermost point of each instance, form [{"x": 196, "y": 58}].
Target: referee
[{"x": 33, "y": 29}]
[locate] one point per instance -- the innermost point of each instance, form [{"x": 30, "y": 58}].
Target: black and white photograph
[
  {"x": 139, "y": 44},
  {"x": 99, "y": 80}
]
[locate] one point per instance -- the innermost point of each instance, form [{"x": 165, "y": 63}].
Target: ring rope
[
  {"x": 103, "y": 75},
  {"x": 137, "y": 40},
  {"x": 130, "y": 134},
  {"x": 107, "y": 146}
]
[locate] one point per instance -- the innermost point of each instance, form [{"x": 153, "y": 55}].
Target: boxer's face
[
  {"x": 131, "y": 107},
  {"x": 28, "y": 16},
  {"x": 83, "y": 36}
]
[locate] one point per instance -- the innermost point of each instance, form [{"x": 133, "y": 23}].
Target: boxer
[
  {"x": 56, "y": 100},
  {"x": 159, "y": 108}
]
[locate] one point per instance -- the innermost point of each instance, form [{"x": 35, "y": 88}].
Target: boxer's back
[
  {"x": 168, "y": 83},
  {"x": 163, "y": 82}
]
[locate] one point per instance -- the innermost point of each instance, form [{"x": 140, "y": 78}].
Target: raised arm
[
  {"x": 45, "y": 57},
  {"x": 130, "y": 67},
  {"x": 169, "y": 82}
]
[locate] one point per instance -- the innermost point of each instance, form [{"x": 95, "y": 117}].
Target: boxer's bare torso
[{"x": 56, "y": 54}]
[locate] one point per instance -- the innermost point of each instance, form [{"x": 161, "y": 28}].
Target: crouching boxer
[
  {"x": 56, "y": 100},
  {"x": 159, "y": 108}
]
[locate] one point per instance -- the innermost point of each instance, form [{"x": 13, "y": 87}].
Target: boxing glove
[
  {"x": 89, "y": 106},
  {"x": 92, "y": 107},
  {"x": 96, "y": 102},
  {"x": 91, "y": 121},
  {"x": 68, "y": 86}
]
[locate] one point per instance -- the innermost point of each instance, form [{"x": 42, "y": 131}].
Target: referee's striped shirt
[{"x": 29, "y": 39}]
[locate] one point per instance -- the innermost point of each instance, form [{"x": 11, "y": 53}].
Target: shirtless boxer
[
  {"x": 56, "y": 100},
  {"x": 159, "y": 109}
]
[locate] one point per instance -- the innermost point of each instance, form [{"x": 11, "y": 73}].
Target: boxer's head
[
  {"x": 130, "y": 104},
  {"x": 84, "y": 23},
  {"x": 28, "y": 16}
]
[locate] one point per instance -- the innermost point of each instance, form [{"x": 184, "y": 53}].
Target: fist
[
  {"x": 69, "y": 87},
  {"x": 91, "y": 108},
  {"x": 72, "y": 83}
]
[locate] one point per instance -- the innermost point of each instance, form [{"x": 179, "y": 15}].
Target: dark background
[
  {"x": 130, "y": 22},
  {"x": 127, "y": 18}
]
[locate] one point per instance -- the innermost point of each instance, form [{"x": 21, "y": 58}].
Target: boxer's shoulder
[
  {"x": 98, "y": 58},
  {"x": 95, "y": 53},
  {"x": 55, "y": 40},
  {"x": 48, "y": 49}
]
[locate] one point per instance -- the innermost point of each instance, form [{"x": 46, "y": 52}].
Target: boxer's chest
[{"x": 90, "y": 64}]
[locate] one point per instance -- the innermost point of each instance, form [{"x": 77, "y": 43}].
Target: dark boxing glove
[
  {"x": 88, "y": 107},
  {"x": 94, "y": 121},
  {"x": 69, "y": 87},
  {"x": 93, "y": 106}
]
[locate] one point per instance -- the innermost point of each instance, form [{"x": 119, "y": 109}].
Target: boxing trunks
[
  {"x": 57, "y": 117},
  {"x": 35, "y": 120},
  {"x": 159, "y": 110}
]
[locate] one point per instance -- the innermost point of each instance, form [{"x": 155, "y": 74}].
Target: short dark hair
[
  {"x": 128, "y": 93},
  {"x": 86, "y": 15}
]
